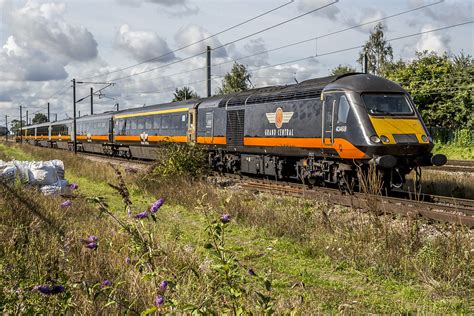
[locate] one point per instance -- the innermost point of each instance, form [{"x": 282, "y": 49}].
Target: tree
[
  {"x": 184, "y": 93},
  {"x": 440, "y": 86},
  {"x": 342, "y": 69},
  {"x": 236, "y": 80},
  {"x": 40, "y": 118},
  {"x": 379, "y": 52},
  {"x": 15, "y": 124}
]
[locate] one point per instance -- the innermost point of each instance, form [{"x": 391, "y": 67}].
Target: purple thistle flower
[
  {"x": 55, "y": 289},
  {"x": 142, "y": 215},
  {"x": 225, "y": 218},
  {"x": 163, "y": 286},
  {"x": 251, "y": 272},
  {"x": 105, "y": 283},
  {"x": 73, "y": 186},
  {"x": 156, "y": 206},
  {"x": 66, "y": 203},
  {"x": 128, "y": 260},
  {"x": 42, "y": 289},
  {"x": 159, "y": 300},
  {"x": 92, "y": 238},
  {"x": 92, "y": 245}
]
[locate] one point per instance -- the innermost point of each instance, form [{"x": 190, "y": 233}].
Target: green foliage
[
  {"x": 176, "y": 159},
  {"x": 39, "y": 118},
  {"x": 15, "y": 124},
  {"x": 236, "y": 80},
  {"x": 441, "y": 87},
  {"x": 342, "y": 69},
  {"x": 184, "y": 93},
  {"x": 379, "y": 53}
]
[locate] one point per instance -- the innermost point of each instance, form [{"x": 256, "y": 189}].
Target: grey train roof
[{"x": 311, "y": 88}]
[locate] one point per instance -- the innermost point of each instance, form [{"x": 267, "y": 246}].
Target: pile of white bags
[{"x": 48, "y": 176}]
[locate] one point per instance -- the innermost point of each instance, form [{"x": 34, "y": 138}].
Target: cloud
[
  {"x": 368, "y": 15},
  {"x": 43, "y": 27},
  {"x": 21, "y": 63},
  {"x": 194, "y": 33},
  {"x": 449, "y": 12},
  {"x": 172, "y": 7},
  {"x": 437, "y": 42},
  {"x": 329, "y": 12},
  {"x": 143, "y": 45}
]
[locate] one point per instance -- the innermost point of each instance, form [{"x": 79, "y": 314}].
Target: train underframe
[{"x": 348, "y": 175}]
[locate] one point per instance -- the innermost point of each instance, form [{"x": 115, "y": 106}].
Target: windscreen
[{"x": 387, "y": 104}]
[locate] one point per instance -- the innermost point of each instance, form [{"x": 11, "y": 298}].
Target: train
[
  {"x": 321, "y": 131},
  {"x": 3, "y": 131}
]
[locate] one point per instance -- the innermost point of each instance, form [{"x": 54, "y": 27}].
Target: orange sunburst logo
[{"x": 279, "y": 118}]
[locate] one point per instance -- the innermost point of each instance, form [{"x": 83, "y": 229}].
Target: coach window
[
  {"x": 133, "y": 124},
  {"x": 182, "y": 124},
  {"x": 176, "y": 120},
  {"x": 157, "y": 122},
  {"x": 149, "y": 122},
  {"x": 209, "y": 120},
  {"x": 141, "y": 123},
  {"x": 165, "y": 121},
  {"x": 343, "y": 111}
]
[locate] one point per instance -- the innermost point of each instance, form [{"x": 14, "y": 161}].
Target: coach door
[
  {"x": 191, "y": 133},
  {"x": 328, "y": 118}
]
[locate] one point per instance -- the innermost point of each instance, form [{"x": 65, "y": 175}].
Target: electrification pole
[
  {"x": 21, "y": 124},
  {"x": 27, "y": 118},
  {"x": 6, "y": 126},
  {"x": 92, "y": 101},
  {"x": 74, "y": 115},
  {"x": 208, "y": 68},
  {"x": 48, "y": 113}
]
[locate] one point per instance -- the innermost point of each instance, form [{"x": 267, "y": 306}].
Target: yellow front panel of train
[{"x": 389, "y": 126}]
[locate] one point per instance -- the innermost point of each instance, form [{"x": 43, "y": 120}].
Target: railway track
[
  {"x": 456, "y": 166},
  {"x": 439, "y": 208}
]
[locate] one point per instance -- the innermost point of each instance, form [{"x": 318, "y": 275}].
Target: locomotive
[{"x": 321, "y": 131}]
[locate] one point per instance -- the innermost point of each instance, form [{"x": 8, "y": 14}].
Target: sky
[{"x": 45, "y": 44}]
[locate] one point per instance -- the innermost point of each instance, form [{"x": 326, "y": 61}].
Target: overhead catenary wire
[
  {"x": 194, "y": 43},
  {"x": 298, "y": 42}
]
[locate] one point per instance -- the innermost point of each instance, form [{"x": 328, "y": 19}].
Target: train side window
[
  {"x": 149, "y": 122},
  {"x": 176, "y": 120},
  {"x": 183, "y": 121},
  {"x": 157, "y": 122},
  {"x": 209, "y": 120},
  {"x": 343, "y": 110},
  {"x": 133, "y": 124},
  {"x": 141, "y": 123},
  {"x": 165, "y": 121}
]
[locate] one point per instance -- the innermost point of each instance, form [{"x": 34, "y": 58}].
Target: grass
[
  {"x": 318, "y": 258},
  {"x": 454, "y": 152}
]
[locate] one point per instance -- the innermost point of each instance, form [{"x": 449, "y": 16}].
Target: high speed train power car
[{"x": 320, "y": 131}]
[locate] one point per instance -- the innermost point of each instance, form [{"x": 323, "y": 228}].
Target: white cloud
[
  {"x": 437, "y": 42},
  {"x": 21, "y": 63},
  {"x": 143, "y": 45},
  {"x": 43, "y": 27},
  {"x": 172, "y": 7},
  {"x": 194, "y": 33},
  {"x": 449, "y": 12}
]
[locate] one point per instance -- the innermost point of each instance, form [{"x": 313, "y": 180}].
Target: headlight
[
  {"x": 374, "y": 139},
  {"x": 425, "y": 138},
  {"x": 384, "y": 139}
]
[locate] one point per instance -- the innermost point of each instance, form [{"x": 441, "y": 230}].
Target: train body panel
[{"x": 322, "y": 130}]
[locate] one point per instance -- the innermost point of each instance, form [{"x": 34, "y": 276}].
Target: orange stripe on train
[{"x": 344, "y": 148}]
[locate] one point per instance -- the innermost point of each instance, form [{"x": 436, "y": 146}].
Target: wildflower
[
  {"x": 251, "y": 272},
  {"x": 92, "y": 238},
  {"x": 73, "y": 186},
  {"x": 156, "y": 206},
  {"x": 163, "y": 286},
  {"x": 105, "y": 283},
  {"x": 92, "y": 245},
  {"x": 142, "y": 215},
  {"x": 128, "y": 260},
  {"x": 42, "y": 289},
  {"x": 159, "y": 300},
  {"x": 225, "y": 218},
  {"x": 55, "y": 289},
  {"x": 66, "y": 203}
]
